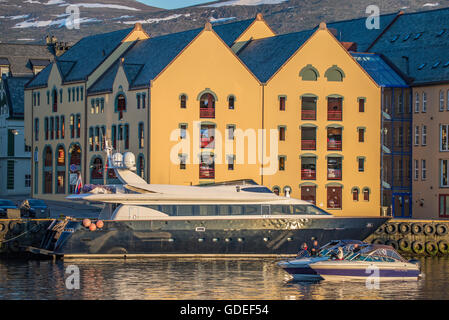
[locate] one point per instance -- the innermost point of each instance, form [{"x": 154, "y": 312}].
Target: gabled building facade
[{"x": 186, "y": 103}]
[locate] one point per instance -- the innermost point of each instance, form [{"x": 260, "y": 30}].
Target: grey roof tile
[
  {"x": 265, "y": 56},
  {"x": 14, "y": 87},
  {"x": 20, "y": 54},
  {"x": 229, "y": 32},
  {"x": 88, "y": 53},
  {"x": 418, "y": 44},
  {"x": 355, "y": 30}
]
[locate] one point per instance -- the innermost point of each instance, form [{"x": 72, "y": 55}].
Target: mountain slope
[{"x": 32, "y": 20}]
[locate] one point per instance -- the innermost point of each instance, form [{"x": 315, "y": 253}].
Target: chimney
[{"x": 350, "y": 46}]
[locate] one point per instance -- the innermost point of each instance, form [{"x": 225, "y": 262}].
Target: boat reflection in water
[
  {"x": 357, "y": 260},
  {"x": 231, "y": 218}
]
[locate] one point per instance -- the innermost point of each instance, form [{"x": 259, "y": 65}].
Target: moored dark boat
[{"x": 233, "y": 218}]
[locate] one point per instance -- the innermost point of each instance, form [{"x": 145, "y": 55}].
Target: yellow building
[{"x": 204, "y": 105}]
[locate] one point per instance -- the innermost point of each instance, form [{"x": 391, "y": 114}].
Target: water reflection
[{"x": 201, "y": 279}]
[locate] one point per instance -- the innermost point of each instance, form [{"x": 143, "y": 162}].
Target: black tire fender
[
  {"x": 418, "y": 247},
  {"x": 429, "y": 229},
  {"x": 390, "y": 228},
  {"x": 417, "y": 228},
  {"x": 443, "y": 246},
  {"x": 441, "y": 229},
  {"x": 431, "y": 248},
  {"x": 404, "y": 228},
  {"x": 404, "y": 245}
]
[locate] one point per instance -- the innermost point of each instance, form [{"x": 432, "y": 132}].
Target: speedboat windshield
[
  {"x": 332, "y": 247},
  {"x": 378, "y": 253}
]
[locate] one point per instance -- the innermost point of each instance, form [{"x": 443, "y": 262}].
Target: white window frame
[
  {"x": 417, "y": 102},
  {"x": 416, "y": 136},
  {"x": 424, "y": 102},
  {"x": 423, "y": 169},
  {"x": 447, "y": 100},
  {"x": 416, "y": 169},
  {"x": 424, "y": 135},
  {"x": 441, "y": 173},
  {"x": 441, "y": 100},
  {"x": 446, "y": 149}
]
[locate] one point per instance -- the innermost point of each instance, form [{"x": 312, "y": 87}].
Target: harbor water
[{"x": 195, "y": 278}]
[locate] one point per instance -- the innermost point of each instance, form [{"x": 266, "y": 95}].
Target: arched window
[
  {"x": 276, "y": 190},
  {"x": 74, "y": 165},
  {"x": 287, "y": 191},
  {"x": 309, "y": 73},
  {"x": 60, "y": 170},
  {"x": 334, "y": 73},
  {"x": 355, "y": 194},
  {"x": 121, "y": 105},
  {"x": 96, "y": 169},
  {"x": 207, "y": 106},
  {"x": 366, "y": 193},
  {"x": 55, "y": 100},
  {"x": 48, "y": 170}
]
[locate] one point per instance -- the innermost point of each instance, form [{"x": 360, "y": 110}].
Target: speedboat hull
[
  {"x": 207, "y": 236},
  {"x": 335, "y": 269},
  {"x": 300, "y": 269}
]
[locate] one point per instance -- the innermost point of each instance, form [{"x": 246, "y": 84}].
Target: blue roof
[
  {"x": 143, "y": 62},
  {"x": 229, "y": 32},
  {"x": 106, "y": 81},
  {"x": 14, "y": 87},
  {"x": 82, "y": 59},
  {"x": 146, "y": 59},
  {"x": 418, "y": 44},
  {"x": 379, "y": 70},
  {"x": 265, "y": 56},
  {"x": 41, "y": 79},
  {"x": 355, "y": 30},
  {"x": 88, "y": 53}
]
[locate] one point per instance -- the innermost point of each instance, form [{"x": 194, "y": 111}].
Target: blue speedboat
[
  {"x": 299, "y": 268},
  {"x": 359, "y": 262}
]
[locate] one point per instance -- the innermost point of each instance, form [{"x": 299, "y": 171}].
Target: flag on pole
[{"x": 79, "y": 185}]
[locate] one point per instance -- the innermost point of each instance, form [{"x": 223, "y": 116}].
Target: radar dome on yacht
[
  {"x": 117, "y": 159},
  {"x": 129, "y": 161}
]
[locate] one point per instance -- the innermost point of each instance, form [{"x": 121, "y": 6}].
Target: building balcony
[
  {"x": 208, "y": 113},
  {"x": 207, "y": 173},
  {"x": 336, "y": 115},
  {"x": 308, "y": 115},
  {"x": 308, "y": 144},
  {"x": 334, "y": 145},
  {"x": 308, "y": 174},
  {"x": 334, "y": 174}
]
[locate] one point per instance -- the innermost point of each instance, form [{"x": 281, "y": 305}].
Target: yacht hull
[{"x": 208, "y": 236}]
